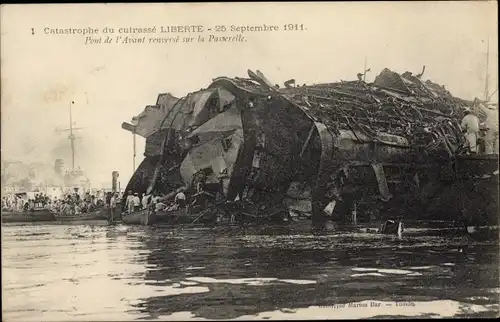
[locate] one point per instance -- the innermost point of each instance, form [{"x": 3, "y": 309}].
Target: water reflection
[{"x": 122, "y": 272}]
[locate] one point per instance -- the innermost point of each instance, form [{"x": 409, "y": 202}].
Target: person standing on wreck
[
  {"x": 470, "y": 125},
  {"x": 491, "y": 126}
]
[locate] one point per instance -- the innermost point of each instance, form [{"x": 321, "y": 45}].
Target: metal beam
[
  {"x": 128, "y": 127},
  {"x": 306, "y": 143}
]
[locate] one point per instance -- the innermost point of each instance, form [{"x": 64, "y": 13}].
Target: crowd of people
[
  {"x": 72, "y": 204},
  {"x": 21, "y": 202},
  {"x": 69, "y": 204},
  {"x": 155, "y": 202}
]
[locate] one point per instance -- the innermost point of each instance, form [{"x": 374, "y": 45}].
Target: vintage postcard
[{"x": 249, "y": 161}]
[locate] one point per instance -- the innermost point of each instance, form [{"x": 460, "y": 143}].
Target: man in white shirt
[
  {"x": 129, "y": 203},
  {"x": 155, "y": 199},
  {"x": 159, "y": 206},
  {"x": 180, "y": 199},
  {"x": 470, "y": 125},
  {"x": 145, "y": 201}
]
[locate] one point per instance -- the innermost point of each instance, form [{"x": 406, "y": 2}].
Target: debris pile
[
  {"x": 402, "y": 105},
  {"x": 246, "y": 141}
]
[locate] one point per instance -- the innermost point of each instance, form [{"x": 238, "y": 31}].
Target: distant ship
[{"x": 74, "y": 179}]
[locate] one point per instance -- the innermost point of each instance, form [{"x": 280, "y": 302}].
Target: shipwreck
[{"x": 340, "y": 151}]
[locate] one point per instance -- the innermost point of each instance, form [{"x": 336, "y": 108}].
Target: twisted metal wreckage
[{"x": 383, "y": 149}]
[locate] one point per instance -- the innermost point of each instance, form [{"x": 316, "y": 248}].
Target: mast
[
  {"x": 364, "y": 71},
  {"x": 487, "y": 77},
  {"x": 71, "y": 136},
  {"x": 133, "y": 162}
]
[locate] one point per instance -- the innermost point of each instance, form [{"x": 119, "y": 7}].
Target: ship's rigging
[{"x": 71, "y": 136}]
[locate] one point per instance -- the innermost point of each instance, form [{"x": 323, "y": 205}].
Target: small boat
[
  {"x": 169, "y": 217},
  {"x": 37, "y": 215},
  {"x": 180, "y": 216},
  {"x": 100, "y": 214},
  {"x": 141, "y": 217},
  {"x": 483, "y": 233}
]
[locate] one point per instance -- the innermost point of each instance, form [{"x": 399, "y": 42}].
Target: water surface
[{"x": 82, "y": 272}]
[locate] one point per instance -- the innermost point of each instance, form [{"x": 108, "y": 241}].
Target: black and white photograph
[{"x": 249, "y": 161}]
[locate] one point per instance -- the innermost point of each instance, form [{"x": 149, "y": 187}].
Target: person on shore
[
  {"x": 19, "y": 204},
  {"x": 91, "y": 206},
  {"x": 113, "y": 206},
  {"x": 470, "y": 125},
  {"x": 5, "y": 204},
  {"x": 78, "y": 209},
  {"x": 56, "y": 206},
  {"x": 84, "y": 206},
  {"x": 63, "y": 208},
  {"x": 107, "y": 199},
  {"x": 31, "y": 205}
]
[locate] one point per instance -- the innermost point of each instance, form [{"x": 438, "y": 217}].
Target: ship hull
[{"x": 359, "y": 156}]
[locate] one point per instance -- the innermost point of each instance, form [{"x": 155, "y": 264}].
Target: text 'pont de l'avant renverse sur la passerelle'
[{"x": 169, "y": 34}]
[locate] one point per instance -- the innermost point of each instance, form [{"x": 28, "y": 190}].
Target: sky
[{"x": 110, "y": 83}]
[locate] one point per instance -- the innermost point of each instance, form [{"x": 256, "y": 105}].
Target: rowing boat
[
  {"x": 141, "y": 217},
  {"x": 99, "y": 214},
  {"x": 36, "y": 215},
  {"x": 169, "y": 217}
]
